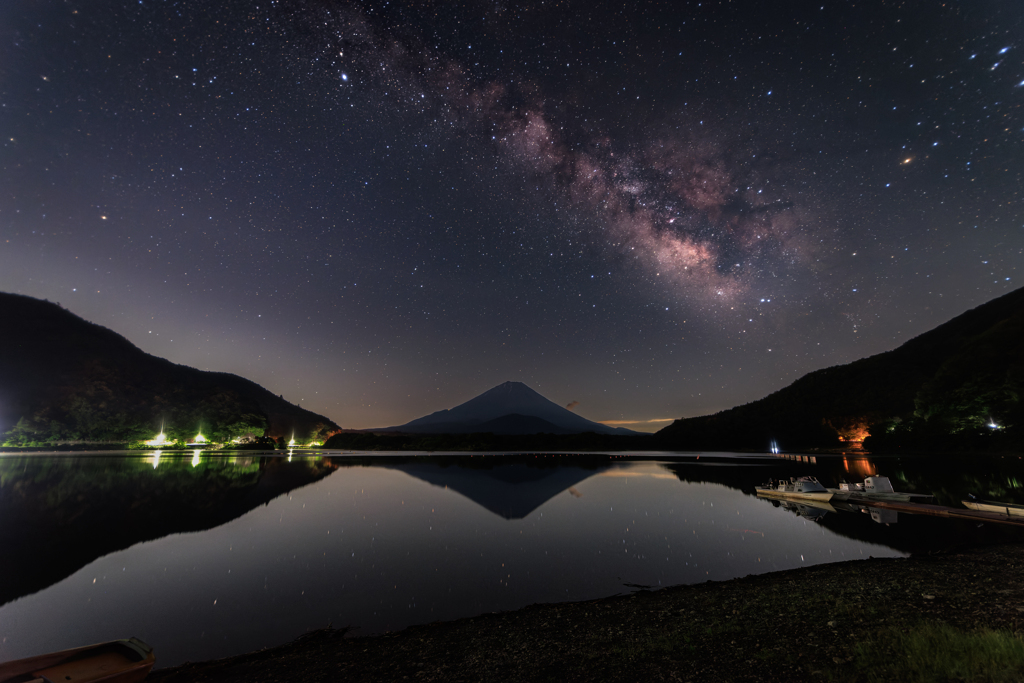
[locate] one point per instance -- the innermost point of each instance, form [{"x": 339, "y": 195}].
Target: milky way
[
  {"x": 383, "y": 209},
  {"x": 693, "y": 212}
]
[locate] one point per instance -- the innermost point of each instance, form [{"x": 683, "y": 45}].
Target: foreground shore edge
[{"x": 781, "y": 626}]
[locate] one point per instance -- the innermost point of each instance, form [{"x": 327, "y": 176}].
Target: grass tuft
[{"x": 930, "y": 653}]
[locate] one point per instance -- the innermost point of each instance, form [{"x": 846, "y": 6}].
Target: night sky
[{"x": 378, "y": 210}]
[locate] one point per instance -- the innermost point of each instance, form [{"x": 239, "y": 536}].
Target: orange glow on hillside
[{"x": 853, "y": 433}]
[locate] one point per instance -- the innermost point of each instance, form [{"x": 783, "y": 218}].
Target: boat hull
[
  {"x": 896, "y": 497},
  {"x": 119, "y": 661},
  {"x": 822, "y": 497},
  {"x": 1008, "y": 509}
]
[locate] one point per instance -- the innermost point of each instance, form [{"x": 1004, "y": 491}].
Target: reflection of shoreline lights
[
  {"x": 859, "y": 466},
  {"x": 156, "y": 459},
  {"x": 195, "y": 457},
  {"x": 812, "y": 459}
]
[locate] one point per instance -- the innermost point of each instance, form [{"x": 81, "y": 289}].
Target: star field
[{"x": 383, "y": 209}]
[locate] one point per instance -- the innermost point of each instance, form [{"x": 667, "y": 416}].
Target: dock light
[
  {"x": 199, "y": 438},
  {"x": 159, "y": 440},
  {"x": 992, "y": 424}
]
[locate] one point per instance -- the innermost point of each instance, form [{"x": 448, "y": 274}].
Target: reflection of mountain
[
  {"x": 60, "y": 514},
  {"x": 949, "y": 479},
  {"x": 512, "y": 490},
  {"x": 918, "y": 533}
]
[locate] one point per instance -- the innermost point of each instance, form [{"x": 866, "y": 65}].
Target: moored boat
[
  {"x": 119, "y": 661},
  {"x": 1009, "y": 509},
  {"x": 874, "y": 488},
  {"x": 806, "y": 488},
  {"x": 846, "y": 490}
]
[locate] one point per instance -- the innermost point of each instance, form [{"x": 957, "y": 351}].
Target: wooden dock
[{"x": 943, "y": 511}]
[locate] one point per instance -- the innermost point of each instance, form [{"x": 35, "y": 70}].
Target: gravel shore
[{"x": 796, "y": 625}]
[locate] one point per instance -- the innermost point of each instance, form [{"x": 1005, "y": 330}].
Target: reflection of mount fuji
[{"x": 512, "y": 490}]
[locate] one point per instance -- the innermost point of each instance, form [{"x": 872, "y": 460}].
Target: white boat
[
  {"x": 805, "y": 488},
  {"x": 1010, "y": 509},
  {"x": 873, "y": 488}
]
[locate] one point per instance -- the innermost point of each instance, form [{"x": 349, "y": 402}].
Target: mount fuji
[{"x": 509, "y": 408}]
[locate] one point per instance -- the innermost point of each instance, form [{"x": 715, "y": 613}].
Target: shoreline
[{"x": 792, "y": 625}]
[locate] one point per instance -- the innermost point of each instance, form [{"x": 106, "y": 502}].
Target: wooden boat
[
  {"x": 804, "y": 488},
  {"x": 119, "y": 661},
  {"x": 1009, "y": 509}
]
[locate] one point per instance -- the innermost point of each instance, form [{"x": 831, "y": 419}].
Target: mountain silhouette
[
  {"x": 937, "y": 391},
  {"x": 509, "y": 408},
  {"x": 64, "y": 379}
]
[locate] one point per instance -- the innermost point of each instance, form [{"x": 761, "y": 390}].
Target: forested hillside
[
  {"x": 955, "y": 387},
  {"x": 63, "y": 379}
]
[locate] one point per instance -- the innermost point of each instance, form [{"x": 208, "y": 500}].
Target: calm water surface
[{"x": 205, "y": 556}]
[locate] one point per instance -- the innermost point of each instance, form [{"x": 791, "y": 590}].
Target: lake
[{"x": 205, "y": 556}]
